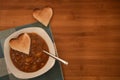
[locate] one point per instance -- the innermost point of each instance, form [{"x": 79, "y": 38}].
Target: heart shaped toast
[
  {"x": 21, "y": 43},
  {"x": 43, "y": 15}
]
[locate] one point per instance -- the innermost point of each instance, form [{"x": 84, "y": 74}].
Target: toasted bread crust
[
  {"x": 43, "y": 15},
  {"x": 21, "y": 44}
]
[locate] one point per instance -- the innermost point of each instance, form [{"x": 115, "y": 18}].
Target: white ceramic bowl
[{"x": 20, "y": 74}]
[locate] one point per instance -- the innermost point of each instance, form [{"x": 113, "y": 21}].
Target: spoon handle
[{"x": 57, "y": 58}]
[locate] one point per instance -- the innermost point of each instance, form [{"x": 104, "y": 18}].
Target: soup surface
[{"x": 36, "y": 58}]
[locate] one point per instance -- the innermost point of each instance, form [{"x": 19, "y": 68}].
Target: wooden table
[{"x": 86, "y": 32}]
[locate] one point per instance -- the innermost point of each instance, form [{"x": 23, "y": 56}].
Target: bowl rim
[{"x": 24, "y": 75}]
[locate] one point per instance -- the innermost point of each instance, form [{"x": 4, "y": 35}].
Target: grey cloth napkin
[{"x": 53, "y": 74}]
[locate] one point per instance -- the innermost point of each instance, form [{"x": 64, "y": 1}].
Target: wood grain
[{"x": 86, "y": 32}]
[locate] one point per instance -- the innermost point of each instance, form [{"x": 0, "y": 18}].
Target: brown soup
[{"x": 36, "y": 58}]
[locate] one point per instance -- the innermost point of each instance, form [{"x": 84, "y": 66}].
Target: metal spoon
[{"x": 55, "y": 57}]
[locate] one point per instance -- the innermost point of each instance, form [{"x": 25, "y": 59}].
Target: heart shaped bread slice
[
  {"x": 21, "y": 43},
  {"x": 43, "y": 15}
]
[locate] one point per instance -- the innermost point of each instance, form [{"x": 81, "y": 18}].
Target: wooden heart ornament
[
  {"x": 21, "y": 43},
  {"x": 43, "y": 15}
]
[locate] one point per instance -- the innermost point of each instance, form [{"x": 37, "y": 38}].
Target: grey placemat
[{"x": 53, "y": 74}]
